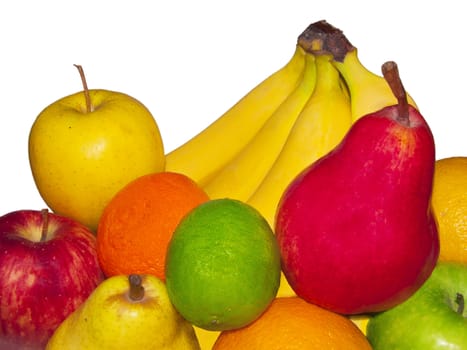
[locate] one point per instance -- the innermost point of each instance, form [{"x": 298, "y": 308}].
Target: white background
[{"x": 189, "y": 61}]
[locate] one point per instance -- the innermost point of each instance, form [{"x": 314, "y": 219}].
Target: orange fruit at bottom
[
  {"x": 290, "y": 323},
  {"x": 137, "y": 224}
]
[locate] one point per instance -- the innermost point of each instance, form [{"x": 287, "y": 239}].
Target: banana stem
[
  {"x": 322, "y": 38},
  {"x": 391, "y": 74},
  {"x": 89, "y": 107},
  {"x": 136, "y": 288},
  {"x": 45, "y": 224}
]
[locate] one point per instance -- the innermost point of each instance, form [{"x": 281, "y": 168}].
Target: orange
[
  {"x": 137, "y": 224},
  {"x": 290, "y": 323},
  {"x": 449, "y": 201}
]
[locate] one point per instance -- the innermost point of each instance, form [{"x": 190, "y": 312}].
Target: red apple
[{"x": 48, "y": 267}]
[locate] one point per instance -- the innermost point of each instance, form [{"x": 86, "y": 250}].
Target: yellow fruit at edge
[
  {"x": 111, "y": 319},
  {"x": 206, "y": 338},
  {"x": 449, "y": 200},
  {"x": 80, "y": 159},
  {"x": 361, "y": 321}
]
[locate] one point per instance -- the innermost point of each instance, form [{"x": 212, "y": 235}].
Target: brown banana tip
[{"x": 323, "y": 38}]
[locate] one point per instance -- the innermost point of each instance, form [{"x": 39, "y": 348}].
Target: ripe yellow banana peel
[
  {"x": 241, "y": 176},
  {"x": 369, "y": 92},
  {"x": 207, "y": 152},
  {"x": 320, "y": 126}
]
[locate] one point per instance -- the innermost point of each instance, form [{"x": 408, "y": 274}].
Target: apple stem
[
  {"x": 89, "y": 107},
  {"x": 45, "y": 224},
  {"x": 136, "y": 288},
  {"x": 391, "y": 74},
  {"x": 460, "y": 303}
]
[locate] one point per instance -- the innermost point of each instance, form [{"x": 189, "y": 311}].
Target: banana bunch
[
  {"x": 288, "y": 121},
  {"x": 208, "y": 152},
  {"x": 293, "y": 117}
]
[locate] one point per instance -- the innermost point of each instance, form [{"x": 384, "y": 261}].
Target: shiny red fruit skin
[
  {"x": 42, "y": 282},
  {"x": 355, "y": 228}
]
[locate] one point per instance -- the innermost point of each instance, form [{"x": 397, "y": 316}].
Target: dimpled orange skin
[
  {"x": 137, "y": 224},
  {"x": 290, "y": 323},
  {"x": 449, "y": 200}
]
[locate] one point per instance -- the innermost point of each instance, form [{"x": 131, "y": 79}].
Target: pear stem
[
  {"x": 391, "y": 74},
  {"x": 45, "y": 224},
  {"x": 460, "y": 303},
  {"x": 89, "y": 107},
  {"x": 136, "y": 288}
]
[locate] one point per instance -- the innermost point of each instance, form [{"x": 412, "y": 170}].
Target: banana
[
  {"x": 208, "y": 151},
  {"x": 240, "y": 177},
  {"x": 320, "y": 126},
  {"x": 206, "y": 338},
  {"x": 369, "y": 92}
]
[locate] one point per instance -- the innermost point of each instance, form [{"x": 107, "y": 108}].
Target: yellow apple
[{"x": 86, "y": 146}]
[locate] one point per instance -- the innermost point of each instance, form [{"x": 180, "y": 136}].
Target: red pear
[{"x": 355, "y": 228}]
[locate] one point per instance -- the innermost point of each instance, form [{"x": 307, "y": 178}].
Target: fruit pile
[{"x": 312, "y": 214}]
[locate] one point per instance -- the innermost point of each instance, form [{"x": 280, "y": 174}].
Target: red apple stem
[
  {"x": 136, "y": 288},
  {"x": 45, "y": 224},
  {"x": 460, "y": 303},
  {"x": 391, "y": 74},
  {"x": 89, "y": 107}
]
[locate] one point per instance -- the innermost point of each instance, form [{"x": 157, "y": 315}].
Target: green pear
[{"x": 125, "y": 312}]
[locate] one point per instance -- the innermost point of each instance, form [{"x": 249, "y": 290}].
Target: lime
[{"x": 223, "y": 265}]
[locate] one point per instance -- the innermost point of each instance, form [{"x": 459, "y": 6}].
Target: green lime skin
[{"x": 223, "y": 265}]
